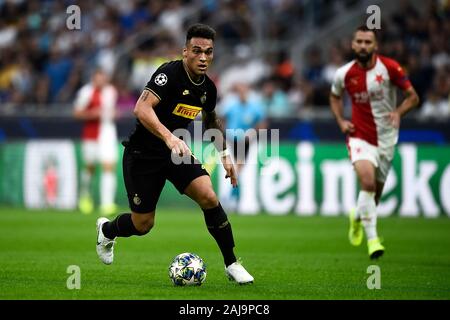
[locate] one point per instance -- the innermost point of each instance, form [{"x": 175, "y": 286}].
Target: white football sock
[
  {"x": 367, "y": 210},
  {"x": 107, "y": 188}
]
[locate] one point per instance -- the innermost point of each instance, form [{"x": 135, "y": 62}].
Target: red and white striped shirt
[
  {"x": 373, "y": 95},
  {"x": 90, "y": 97}
]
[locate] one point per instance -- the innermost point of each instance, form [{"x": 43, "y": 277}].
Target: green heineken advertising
[{"x": 300, "y": 179}]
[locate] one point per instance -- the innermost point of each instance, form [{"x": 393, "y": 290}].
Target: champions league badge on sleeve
[{"x": 161, "y": 79}]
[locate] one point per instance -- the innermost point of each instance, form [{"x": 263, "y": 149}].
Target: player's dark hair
[
  {"x": 199, "y": 30},
  {"x": 364, "y": 28}
]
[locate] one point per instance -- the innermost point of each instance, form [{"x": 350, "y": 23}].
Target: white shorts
[
  {"x": 95, "y": 152},
  {"x": 380, "y": 157}
]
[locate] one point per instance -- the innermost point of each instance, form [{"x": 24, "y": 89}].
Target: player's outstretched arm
[
  {"x": 211, "y": 121},
  {"x": 146, "y": 114},
  {"x": 411, "y": 101},
  {"x": 337, "y": 107}
]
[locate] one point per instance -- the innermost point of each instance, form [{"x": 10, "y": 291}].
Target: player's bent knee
[
  {"x": 144, "y": 227},
  {"x": 208, "y": 200},
  {"x": 368, "y": 185},
  {"x": 143, "y": 222}
]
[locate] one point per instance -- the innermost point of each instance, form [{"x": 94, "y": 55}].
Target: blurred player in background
[
  {"x": 371, "y": 80},
  {"x": 96, "y": 106},
  {"x": 176, "y": 93},
  {"x": 242, "y": 113}
]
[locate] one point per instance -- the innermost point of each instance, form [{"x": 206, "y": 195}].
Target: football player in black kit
[{"x": 173, "y": 97}]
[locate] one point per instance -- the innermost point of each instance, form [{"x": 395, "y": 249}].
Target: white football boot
[
  {"x": 236, "y": 272},
  {"x": 105, "y": 246}
]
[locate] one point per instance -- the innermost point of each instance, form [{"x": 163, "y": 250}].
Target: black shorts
[{"x": 145, "y": 176}]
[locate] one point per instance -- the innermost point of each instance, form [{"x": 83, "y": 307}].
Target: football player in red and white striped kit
[
  {"x": 96, "y": 106},
  {"x": 371, "y": 81}
]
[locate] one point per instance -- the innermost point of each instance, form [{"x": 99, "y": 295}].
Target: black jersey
[{"x": 181, "y": 100}]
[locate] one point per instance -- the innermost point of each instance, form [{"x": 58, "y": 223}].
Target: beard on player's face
[{"x": 363, "y": 56}]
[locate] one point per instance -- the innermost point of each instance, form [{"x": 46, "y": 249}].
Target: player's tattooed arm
[
  {"x": 212, "y": 121},
  {"x": 147, "y": 116},
  {"x": 144, "y": 95},
  {"x": 216, "y": 131}
]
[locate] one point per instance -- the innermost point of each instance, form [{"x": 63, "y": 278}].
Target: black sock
[
  {"x": 121, "y": 226},
  {"x": 220, "y": 228}
]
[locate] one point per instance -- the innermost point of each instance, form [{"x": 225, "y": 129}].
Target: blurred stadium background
[{"x": 287, "y": 50}]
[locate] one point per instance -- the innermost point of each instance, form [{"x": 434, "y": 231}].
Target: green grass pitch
[{"x": 291, "y": 258}]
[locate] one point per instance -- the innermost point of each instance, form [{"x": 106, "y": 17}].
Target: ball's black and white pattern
[{"x": 161, "y": 79}]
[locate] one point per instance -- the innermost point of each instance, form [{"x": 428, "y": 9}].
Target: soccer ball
[{"x": 187, "y": 269}]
